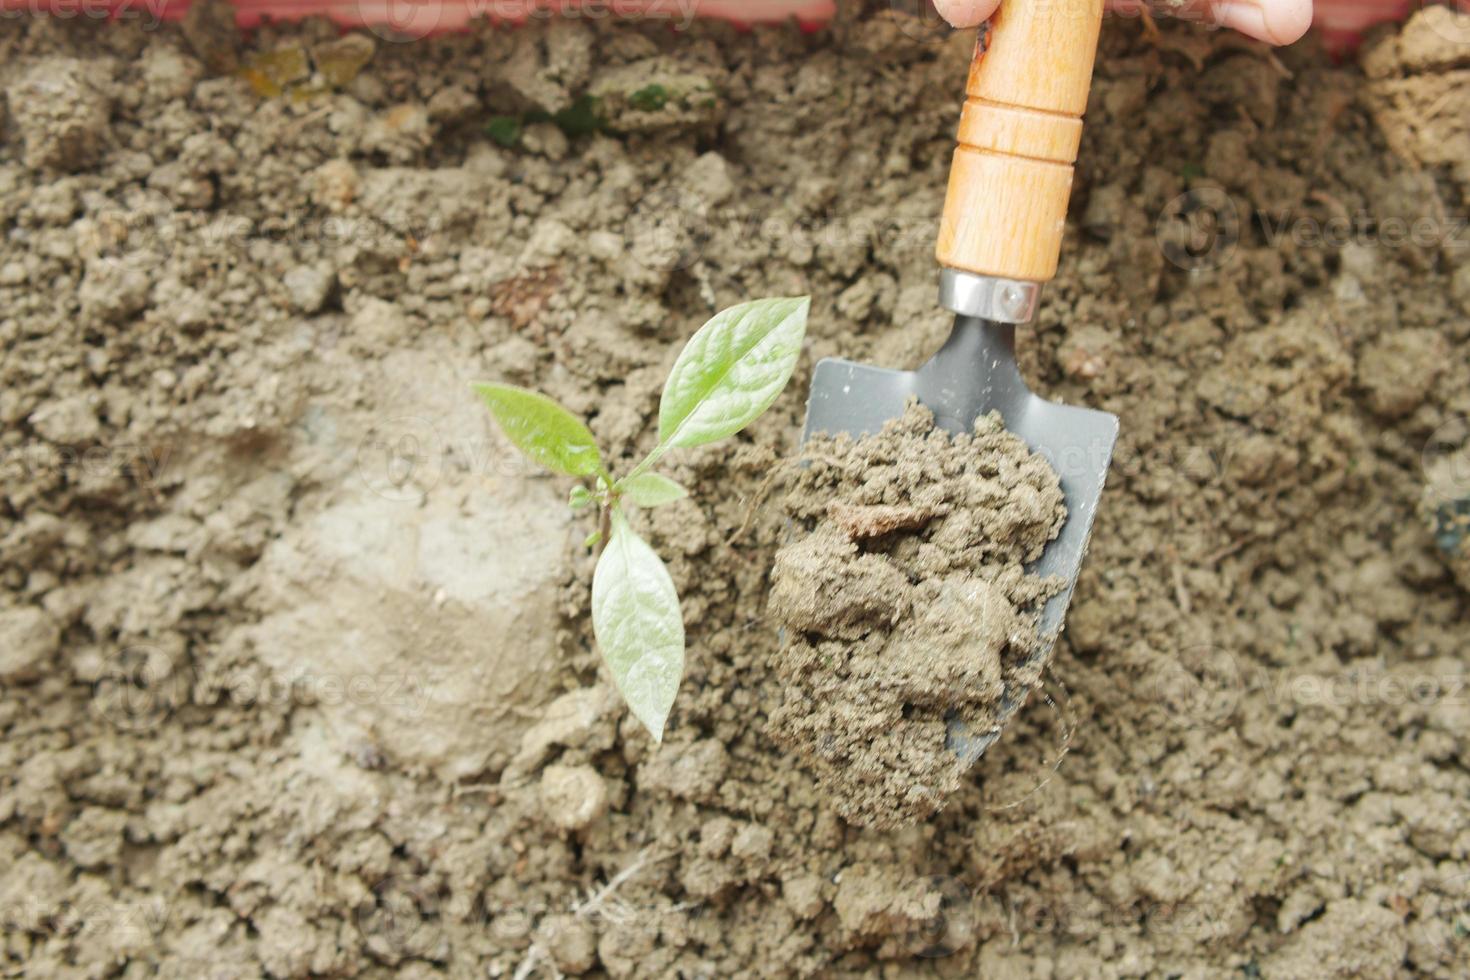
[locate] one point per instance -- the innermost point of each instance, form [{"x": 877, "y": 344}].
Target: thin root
[{"x": 755, "y": 502}]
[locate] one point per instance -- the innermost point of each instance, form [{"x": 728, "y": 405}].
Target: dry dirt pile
[
  {"x": 909, "y": 606},
  {"x": 298, "y": 677}
]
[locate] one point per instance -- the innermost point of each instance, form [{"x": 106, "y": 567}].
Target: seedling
[
  {"x": 651, "y": 98},
  {"x": 728, "y": 374},
  {"x": 581, "y": 118}
]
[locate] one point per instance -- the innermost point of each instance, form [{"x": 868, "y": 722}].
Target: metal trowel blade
[{"x": 973, "y": 374}]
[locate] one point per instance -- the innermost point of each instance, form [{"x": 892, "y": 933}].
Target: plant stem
[
  {"x": 605, "y": 529},
  {"x": 648, "y": 462}
]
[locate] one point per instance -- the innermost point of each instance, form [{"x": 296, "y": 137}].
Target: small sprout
[
  {"x": 581, "y": 118},
  {"x": 592, "y": 540},
  {"x": 651, "y": 98},
  {"x": 505, "y": 130},
  {"x": 728, "y": 374}
]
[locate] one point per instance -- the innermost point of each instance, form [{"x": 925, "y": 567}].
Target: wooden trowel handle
[{"x": 1012, "y": 172}]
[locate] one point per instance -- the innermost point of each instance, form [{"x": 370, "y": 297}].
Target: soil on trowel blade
[{"x": 909, "y": 605}]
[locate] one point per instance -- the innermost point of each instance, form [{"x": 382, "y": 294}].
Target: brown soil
[
  {"x": 299, "y": 678},
  {"x": 909, "y": 605}
]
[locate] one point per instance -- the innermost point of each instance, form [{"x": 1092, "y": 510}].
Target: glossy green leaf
[
  {"x": 731, "y": 371},
  {"x": 639, "y": 626},
  {"x": 542, "y": 429},
  {"x": 652, "y": 490}
]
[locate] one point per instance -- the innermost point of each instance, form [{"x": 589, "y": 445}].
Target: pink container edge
[
  {"x": 411, "y": 19},
  {"x": 1340, "y": 23}
]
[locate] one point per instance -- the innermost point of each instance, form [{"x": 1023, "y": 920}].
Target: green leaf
[
  {"x": 581, "y": 118},
  {"x": 579, "y": 497},
  {"x": 650, "y": 98},
  {"x": 543, "y": 430},
  {"x": 731, "y": 371},
  {"x": 636, "y": 616},
  {"x": 652, "y": 490},
  {"x": 591, "y": 541},
  {"x": 505, "y": 130}
]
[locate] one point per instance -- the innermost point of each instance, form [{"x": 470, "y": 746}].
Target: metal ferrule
[{"x": 988, "y": 297}]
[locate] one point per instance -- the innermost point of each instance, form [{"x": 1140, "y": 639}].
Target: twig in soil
[
  {"x": 595, "y": 901},
  {"x": 294, "y": 129},
  {"x": 1181, "y": 594},
  {"x": 1331, "y": 203},
  {"x": 1150, "y": 28},
  {"x": 1245, "y": 117},
  {"x": 1217, "y": 557},
  {"x": 1176, "y": 572},
  {"x": 1277, "y": 65},
  {"x": 765, "y": 488},
  {"x": 469, "y": 788},
  {"x": 533, "y": 959}
]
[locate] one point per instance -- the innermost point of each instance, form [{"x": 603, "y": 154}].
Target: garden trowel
[{"x": 999, "y": 240}]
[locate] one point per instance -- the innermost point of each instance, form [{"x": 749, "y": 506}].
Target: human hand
[{"x": 1273, "y": 21}]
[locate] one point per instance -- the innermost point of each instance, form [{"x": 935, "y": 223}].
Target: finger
[
  {"x": 966, "y": 13},
  {"x": 1272, "y": 21}
]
